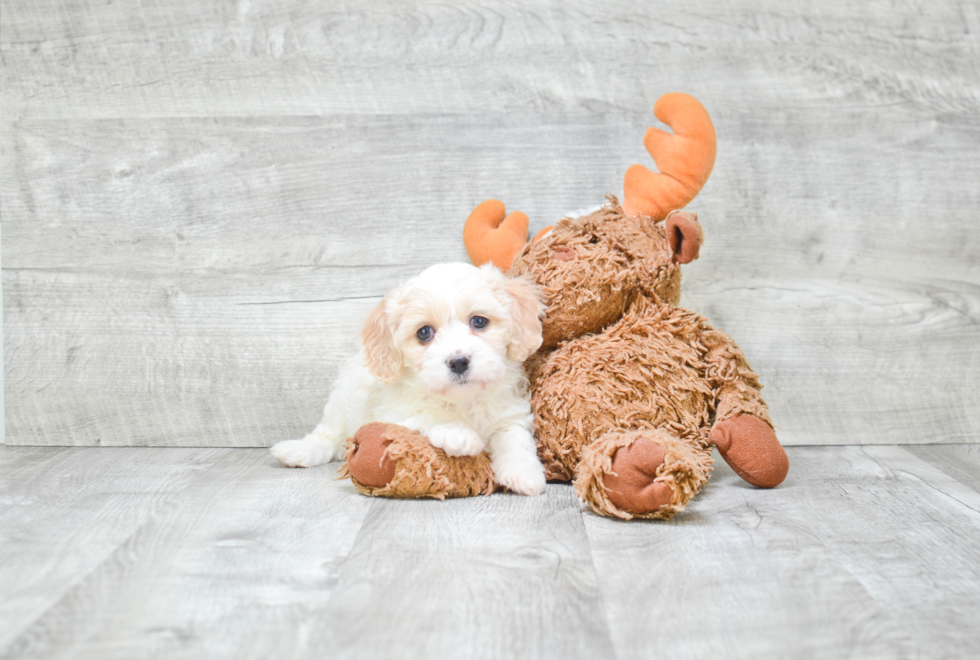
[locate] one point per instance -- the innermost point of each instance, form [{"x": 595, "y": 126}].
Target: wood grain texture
[
  {"x": 200, "y": 203},
  {"x": 276, "y": 58},
  {"x": 864, "y": 552},
  {"x": 499, "y": 577},
  {"x": 962, "y": 462},
  {"x": 65, "y": 512},
  {"x": 240, "y": 562}
]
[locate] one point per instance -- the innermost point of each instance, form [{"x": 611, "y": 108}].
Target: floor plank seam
[
  {"x": 583, "y": 512},
  {"x": 152, "y": 516}
]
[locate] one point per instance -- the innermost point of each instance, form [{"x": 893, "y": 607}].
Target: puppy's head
[{"x": 456, "y": 328}]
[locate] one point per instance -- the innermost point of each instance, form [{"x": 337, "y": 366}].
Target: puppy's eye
[
  {"x": 425, "y": 333},
  {"x": 479, "y": 322}
]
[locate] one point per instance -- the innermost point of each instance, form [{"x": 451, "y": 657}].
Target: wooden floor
[{"x": 865, "y": 552}]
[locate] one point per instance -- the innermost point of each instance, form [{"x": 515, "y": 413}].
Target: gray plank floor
[{"x": 864, "y": 552}]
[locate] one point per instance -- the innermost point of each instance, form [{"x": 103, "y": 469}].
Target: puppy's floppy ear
[
  {"x": 382, "y": 356},
  {"x": 525, "y": 316}
]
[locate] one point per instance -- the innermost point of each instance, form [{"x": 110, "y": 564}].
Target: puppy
[{"x": 442, "y": 355}]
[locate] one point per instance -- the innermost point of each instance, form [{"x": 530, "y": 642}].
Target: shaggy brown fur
[
  {"x": 419, "y": 469},
  {"x": 629, "y": 391},
  {"x": 627, "y": 359},
  {"x": 685, "y": 467}
]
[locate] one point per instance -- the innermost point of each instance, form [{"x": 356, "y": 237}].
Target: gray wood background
[{"x": 201, "y": 200}]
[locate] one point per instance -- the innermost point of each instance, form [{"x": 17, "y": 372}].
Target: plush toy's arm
[
  {"x": 388, "y": 460},
  {"x": 743, "y": 431}
]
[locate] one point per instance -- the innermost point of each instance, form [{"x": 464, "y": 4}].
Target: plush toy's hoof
[
  {"x": 647, "y": 473},
  {"x": 367, "y": 460},
  {"x": 631, "y": 484},
  {"x": 750, "y": 446}
]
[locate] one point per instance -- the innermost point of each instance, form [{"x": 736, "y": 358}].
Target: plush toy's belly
[{"x": 645, "y": 371}]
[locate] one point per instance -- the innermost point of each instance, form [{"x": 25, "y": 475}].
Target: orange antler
[
  {"x": 684, "y": 159},
  {"x": 489, "y": 237}
]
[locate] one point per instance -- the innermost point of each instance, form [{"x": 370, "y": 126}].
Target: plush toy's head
[{"x": 591, "y": 266}]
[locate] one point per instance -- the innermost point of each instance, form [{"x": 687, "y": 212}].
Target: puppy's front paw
[
  {"x": 299, "y": 453},
  {"x": 523, "y": 475},
  {"x": 456, "y": 439}
]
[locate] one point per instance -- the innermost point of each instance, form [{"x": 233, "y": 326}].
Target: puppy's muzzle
[{"x": 459, "y": 364}]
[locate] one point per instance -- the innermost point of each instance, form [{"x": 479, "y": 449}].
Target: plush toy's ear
[
  {"x": 382, "y": 357},
  {"x": 684, "y": 235},
  {"x": 489, "y": 237}
]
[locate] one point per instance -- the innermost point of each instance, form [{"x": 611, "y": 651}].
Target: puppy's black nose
[{"x": 459, "y": 365}]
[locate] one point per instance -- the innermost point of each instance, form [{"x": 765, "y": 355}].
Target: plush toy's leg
[
  {"x": 388, "y": 460},
  {"x": 742, "y": 431},
  {"x": 642, "y": 474}
]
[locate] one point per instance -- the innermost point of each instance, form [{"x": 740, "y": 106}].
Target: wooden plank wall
[{"x": 200, "y": 201}]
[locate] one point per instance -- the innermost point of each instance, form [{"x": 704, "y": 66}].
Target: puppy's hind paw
[
  {"x": 456, "y": 439},
  {"x": 300, "y": 453},
  {"x": 524, "y": 477}
]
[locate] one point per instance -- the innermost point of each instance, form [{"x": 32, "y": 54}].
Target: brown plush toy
[{"x": 629, "y": 391}]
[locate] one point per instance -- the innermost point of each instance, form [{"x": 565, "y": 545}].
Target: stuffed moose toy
[{"x": 629, "y": 391}]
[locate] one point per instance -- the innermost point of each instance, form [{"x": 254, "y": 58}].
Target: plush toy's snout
[{"x": 564, "y": 254}]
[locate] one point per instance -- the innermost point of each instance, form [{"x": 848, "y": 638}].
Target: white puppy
[{"x": 442, "y": 355}]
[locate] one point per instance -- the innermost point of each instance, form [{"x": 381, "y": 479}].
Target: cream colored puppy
[{"x": 442, "y": 354}]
